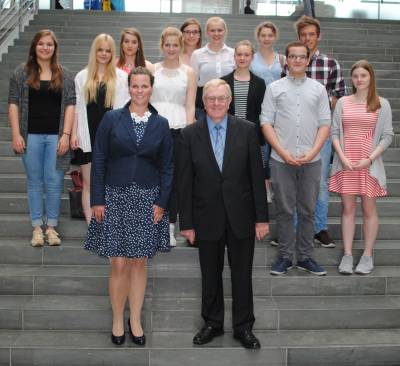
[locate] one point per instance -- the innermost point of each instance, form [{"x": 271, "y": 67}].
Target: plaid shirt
[{"x": 327, "y": 71}]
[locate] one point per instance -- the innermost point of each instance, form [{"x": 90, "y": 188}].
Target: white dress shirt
[{"x": 210, "y": 65}]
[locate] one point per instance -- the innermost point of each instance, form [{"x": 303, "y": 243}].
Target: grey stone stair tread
[
  {"x": 183, "y": 340},
  {"x": 78, "y": 243},
  {"x": 326, "y": 303},
  {"x": 9, "y": 270}
]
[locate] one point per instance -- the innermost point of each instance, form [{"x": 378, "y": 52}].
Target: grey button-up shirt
[{"x": 296, "y": 108}]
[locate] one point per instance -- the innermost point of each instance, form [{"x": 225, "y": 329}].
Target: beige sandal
[
  {"x": 37, "y": 238},
  {"x": 52, "y": 237}
]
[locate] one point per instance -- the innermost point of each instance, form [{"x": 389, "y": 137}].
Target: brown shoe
[
  {"x": 52, "y": 237},
  {"x": 37, "y": 238}
]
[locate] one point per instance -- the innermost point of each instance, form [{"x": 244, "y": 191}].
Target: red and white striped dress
[{"x": 358, "y": 130}]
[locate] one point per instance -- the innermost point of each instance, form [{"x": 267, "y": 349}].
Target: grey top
[
  {"x": 296, "y": 108},
  {"x": 382, "y": 137},
  {"x": 19, "y": 94}
]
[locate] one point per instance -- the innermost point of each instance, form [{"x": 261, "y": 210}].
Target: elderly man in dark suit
[{"x": 222, "y": 202}]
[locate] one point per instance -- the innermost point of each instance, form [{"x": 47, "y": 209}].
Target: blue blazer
[{"x": 118, "y": 160}]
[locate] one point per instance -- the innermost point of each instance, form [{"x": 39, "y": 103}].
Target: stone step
[
  {"x": 71, "y": 252},
  {"x": 273, "y": 313},
  {"x": 12, "y": 164},
  {"x": 19, "y": 225},
  {"x": 283, "y": 348},
  {"x": 17, "y": 203},
  {"x": 185, "y": 282},
  {"x": 16, "y": 182}
]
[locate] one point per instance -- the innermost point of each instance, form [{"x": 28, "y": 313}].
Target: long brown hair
[
  {"x": 191, "y": 21},
  {"x": 373, "y": 102},
  {"x": 139, "y": 58},
  {"x": 32, "y": 67}
]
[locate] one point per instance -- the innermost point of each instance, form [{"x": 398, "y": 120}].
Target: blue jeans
[
  {"x": 321, "y": 208},
  {"x": 266, "y": 153},
  {"x": 43, "y": 178}
]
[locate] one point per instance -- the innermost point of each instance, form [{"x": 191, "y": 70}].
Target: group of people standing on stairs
[{"x": 205, "y": 136}]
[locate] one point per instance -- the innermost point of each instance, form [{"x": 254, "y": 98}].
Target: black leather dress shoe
[
  {"x": 207, "y": 334},
  {"x": 118, "y": 340},
  {"x": 140, "y": 341},
  {"x": 247, "y": 339}
]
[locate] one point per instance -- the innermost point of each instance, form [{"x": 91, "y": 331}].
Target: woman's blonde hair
[
  {"x": 110, "y": 74},
  {"x": 246, "y": 43},
  {"x": 171, "y": 31},
  {"x": 217, "y": 20},
  {"x": 268, "y": 25}
]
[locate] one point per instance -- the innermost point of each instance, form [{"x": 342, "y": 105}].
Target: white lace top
[{"x": 169, "y": 94}]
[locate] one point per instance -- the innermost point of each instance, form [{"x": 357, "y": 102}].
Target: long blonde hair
[{"x": 110, "y": 74}]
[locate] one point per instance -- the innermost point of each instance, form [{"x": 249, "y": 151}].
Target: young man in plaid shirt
[{"x": 327, "y": 71}]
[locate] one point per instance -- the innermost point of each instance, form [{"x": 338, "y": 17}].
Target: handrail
[{"x": 14, "y": 15}]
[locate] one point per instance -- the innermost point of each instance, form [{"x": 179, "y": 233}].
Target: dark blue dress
[{"x": 128, "y": 229}]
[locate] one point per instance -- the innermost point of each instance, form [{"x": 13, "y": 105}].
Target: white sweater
[{"x": 121, "y": 98}]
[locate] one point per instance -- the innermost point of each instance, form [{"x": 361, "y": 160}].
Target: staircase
[{"x": 54, "y": 308}]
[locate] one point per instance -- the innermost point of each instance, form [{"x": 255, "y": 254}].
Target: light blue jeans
[
  {"x": 43, "y": 178},
  {"x": 321, "y": 208}
]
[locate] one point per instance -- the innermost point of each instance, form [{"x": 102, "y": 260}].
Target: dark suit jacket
[
  {"x": 207, "y": 196},
  {"x": 255, "y": 98},
  {"x": 118, "y": 160}
]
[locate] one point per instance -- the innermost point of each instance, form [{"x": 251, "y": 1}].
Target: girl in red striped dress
[{"x": 361, "y": 132}]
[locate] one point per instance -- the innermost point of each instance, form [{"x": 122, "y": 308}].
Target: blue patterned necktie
[{"x": 219, "y": 147}]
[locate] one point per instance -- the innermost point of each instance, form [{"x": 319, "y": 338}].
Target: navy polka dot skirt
[{"x": 128, "y": 229}]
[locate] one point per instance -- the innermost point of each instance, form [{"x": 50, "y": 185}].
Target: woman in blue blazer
[{"x": 131, "y": 180}]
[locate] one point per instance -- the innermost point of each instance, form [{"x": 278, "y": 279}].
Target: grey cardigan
[
  {"x": 19, "y": 94},
  {"x": 383, "y": 137}
]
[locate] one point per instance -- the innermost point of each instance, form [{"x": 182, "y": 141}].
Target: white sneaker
[
  {"x": 172, "y": 239},
  {"x": 346, "y": 265},
  {"x": 365, "y": 265}
]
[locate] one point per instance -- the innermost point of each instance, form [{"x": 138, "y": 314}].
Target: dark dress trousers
[
  {"x": 223, "y": 208},
  {"x": 255, "y": 98}
]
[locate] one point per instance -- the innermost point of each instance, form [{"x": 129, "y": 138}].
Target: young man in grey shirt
[{"x": 295, "y": 120}]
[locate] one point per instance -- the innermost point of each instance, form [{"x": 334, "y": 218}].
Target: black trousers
[
  {"x": 240, "y": 258},
  {"x": 173, "y": 200}
]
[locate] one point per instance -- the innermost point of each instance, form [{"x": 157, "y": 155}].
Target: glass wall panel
[
  {"x": 44, "y": 4},
  {"x": 202, "y": 6},
  {"x": 390, "y": 9}
]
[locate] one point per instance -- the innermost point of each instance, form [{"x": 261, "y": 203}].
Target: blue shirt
[
  {"x": 264, "y": 71},
  {"x": 213, "y": 132}
]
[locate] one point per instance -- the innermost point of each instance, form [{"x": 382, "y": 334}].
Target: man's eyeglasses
[
  {"x": 219, "y": 99},
  {"x": 298, "y": 57}
]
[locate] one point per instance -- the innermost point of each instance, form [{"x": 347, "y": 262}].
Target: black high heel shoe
[
  {"x": 118, "y": 340},
  {"x": 140, "y": 341}
]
